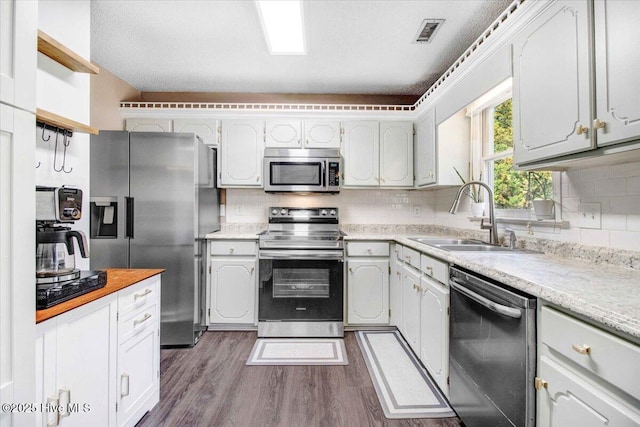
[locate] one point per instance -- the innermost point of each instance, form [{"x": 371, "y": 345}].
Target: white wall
[{"x": 63, "y": 92}]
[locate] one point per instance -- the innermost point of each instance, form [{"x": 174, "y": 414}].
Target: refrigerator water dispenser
[{"x": 104, "y": 217}]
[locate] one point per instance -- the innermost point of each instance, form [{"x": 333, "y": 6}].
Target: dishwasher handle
[{"x": 491, "y": 305}]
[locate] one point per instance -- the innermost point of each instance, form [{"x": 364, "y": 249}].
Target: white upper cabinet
[
  {"x": 361, "y": 153},
  {"x": 396, "y": 154},
  {"x": 18, "y": 54},
  {"x": 322, "y": 134},
  {"x": 206, "y": 129},
  {"x": 552, "y": 105},
  {"x": 425, "y": 150},
  {"x": 241, "y": 152},
  {"x": 283, "y": 134},
  {"x": 149, "y": 125},
  {"x": 377, "y": 154},
  {"x": 617, "y": 69}
]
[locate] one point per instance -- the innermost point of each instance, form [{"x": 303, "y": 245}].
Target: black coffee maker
[{"x": 57, "y": 278}]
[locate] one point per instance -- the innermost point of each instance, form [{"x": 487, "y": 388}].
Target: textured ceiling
[{"x": 354, "y": 46}]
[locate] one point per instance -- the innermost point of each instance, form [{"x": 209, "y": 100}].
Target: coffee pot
[{"x": 55, "y": 253}]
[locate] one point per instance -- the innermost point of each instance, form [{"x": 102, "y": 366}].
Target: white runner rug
[
  {"x": 298, "y": 351},
  {"x": 404, "y": 388}
]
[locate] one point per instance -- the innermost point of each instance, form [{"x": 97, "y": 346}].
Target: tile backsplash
[{"x": 616, "y": 188}]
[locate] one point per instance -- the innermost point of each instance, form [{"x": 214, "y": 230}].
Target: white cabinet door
[
  {"x": 283, "y": 134},
  {"x": 570, "y": 401},
  {"x": 368, "y": 291},
  {"x": 149, "y": 125},
  {"x": 411, "y": 307},
  {"x": 138, "y": 374},
  {"x": 425, "y": 150},
  {"x": 79, "y": 357},
  {"x": 361, "y": 154},
  {"x": 17, "y": 263},
  {"x": 396, "y": 154},
  {"x": 322, "y": 134},
  {"x": 206, "y": 129},
  {"x": 18, "y": 54},
  {"x": 395, "y": 289},
  {"x": 241, "y": 152},
  {"x": 617, "y": 68},
  {"x": 434, "y": 331},
  {"x": 233, "y": 290},
  {"x": 551, "y": 87}
]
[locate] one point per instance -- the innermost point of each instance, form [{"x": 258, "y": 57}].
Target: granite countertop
[
  {"x": 604, "y": 293},
  {"x": 117, "y": 279}
]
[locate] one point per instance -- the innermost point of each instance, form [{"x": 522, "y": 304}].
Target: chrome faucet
[
  {"x": 491, "y": 226},
  {"x": 512, "y": 238}
]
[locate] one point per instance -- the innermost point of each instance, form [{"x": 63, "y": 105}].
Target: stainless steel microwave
[{"x": 302, "y": 170}]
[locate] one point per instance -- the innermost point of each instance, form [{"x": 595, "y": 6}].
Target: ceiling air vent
[{"x": 428, "y": 29}]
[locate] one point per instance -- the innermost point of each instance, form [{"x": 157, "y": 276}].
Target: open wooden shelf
[
  {"x": 62, "y": 122},
  {"x": 63, "y": 55}
]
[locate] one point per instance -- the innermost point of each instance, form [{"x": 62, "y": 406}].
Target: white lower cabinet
[
  {"x": 586, "y": 376},
  {"x": 424, "y": 322},
  {"x": 233, "y": 282},
  {"x": 368, "y": 283},
  {"x": 96, "y": 365},
  {"x": 138, "y": 381},
  {"x": 75, "y": 362},
  {"x": 395, "y": 286},
  {"x": 434, "y": 330}
]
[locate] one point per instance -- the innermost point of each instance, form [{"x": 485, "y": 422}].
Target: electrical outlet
[
  {"x": 589, "y": 215},
  {"x": 416, "y": 211}
]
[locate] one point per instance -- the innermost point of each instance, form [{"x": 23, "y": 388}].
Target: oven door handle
[
  {"x": 300, "y": 254},
  {"x": 491, "y": 305}
]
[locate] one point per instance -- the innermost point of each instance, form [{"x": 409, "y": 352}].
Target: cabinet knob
[
  {"x": 540, "y": 383},
  {"x": 64, "y": 403},
  {"x": 581, "y": 130},
  {"x": 257, "y": 179},
  {"x": 597, "y": 124},
  {"x": 429, "y": 270},
  {"x": 231, "y": 250},
  {"x": 369, "y": 250},
  {"x": 350, "y": 270},
  {"x": 582, "y": 349},
  {"x": 252, "y": 270},
  {"x": 53, "y": 401}
]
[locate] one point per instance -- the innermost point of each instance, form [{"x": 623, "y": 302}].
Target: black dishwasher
[{"x": 492, "y": 345}]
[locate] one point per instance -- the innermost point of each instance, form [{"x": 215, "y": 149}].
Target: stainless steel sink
[
  {"x": 467, "y": 245},
  {"x": 438, "y": 242}
]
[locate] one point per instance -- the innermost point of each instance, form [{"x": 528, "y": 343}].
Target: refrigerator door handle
[{"x": 129, "y": 217}]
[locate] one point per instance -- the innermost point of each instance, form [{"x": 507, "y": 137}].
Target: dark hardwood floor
[{"x": 210, "y": 385}]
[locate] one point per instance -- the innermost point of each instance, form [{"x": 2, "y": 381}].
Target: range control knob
[
  {"x": 323, "y": 212},
  {"x": 274, "y": 211},
  {"x": 283, "y": 211},
  {"x": 332, "y": 212}
]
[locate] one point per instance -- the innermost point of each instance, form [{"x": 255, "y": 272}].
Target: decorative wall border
[{"x": 230, "y": 106}]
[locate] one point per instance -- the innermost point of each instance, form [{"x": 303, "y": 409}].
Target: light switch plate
[{"x": 589, "y": 215}]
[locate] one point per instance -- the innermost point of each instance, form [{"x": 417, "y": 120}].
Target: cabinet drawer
[
  {"x": 411, "y": 256},
  {"x": 233, "y": 247},
  {"x": 601, "y": 353},
  {"x": 367, "y": 248},
  {"x": 136, "y": 296},
  {"x": 141, "y": 320},
  {"x": 434, "y": 268}
]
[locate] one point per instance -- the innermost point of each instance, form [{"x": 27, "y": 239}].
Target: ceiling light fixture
[{"x": 283, "y": 26}]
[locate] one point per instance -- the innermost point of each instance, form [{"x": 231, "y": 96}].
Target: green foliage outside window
[{"x": 513, "y": 189}]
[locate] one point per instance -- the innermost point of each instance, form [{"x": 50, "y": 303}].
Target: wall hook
[
  {"x": 66, "y": 143},
  {"x": 44, "y": 128},
  {"x": 55, "y": 154},
  {"x": 38, "y": 165}
]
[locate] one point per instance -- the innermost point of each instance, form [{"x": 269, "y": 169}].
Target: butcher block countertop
[{"x": 117, "y": 279}]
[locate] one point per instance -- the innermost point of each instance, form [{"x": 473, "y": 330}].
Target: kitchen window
[{"x": 492, "y": 155}]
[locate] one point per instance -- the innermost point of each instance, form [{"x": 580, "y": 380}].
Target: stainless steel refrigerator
[{"x": 153, "y": 199}]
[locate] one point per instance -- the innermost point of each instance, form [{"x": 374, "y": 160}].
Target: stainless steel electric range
[{"x": 301, "y": 271}]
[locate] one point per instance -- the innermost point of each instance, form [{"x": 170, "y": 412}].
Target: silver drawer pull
[
  {"x": 146, "y": 317},
  {"x": 582, "y": 349},
  {"x": 143, "y": 294},
  {"x": 124, "y": 393},
  {"x": 66, "y": 403},
  {"x": 53, "y": 402},
  {"x": 429, "y": 270}
]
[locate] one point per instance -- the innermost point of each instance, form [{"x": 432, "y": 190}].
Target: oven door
[
  {"x": 290, "y": 174},
  {"x": 301, "y": 285}
]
